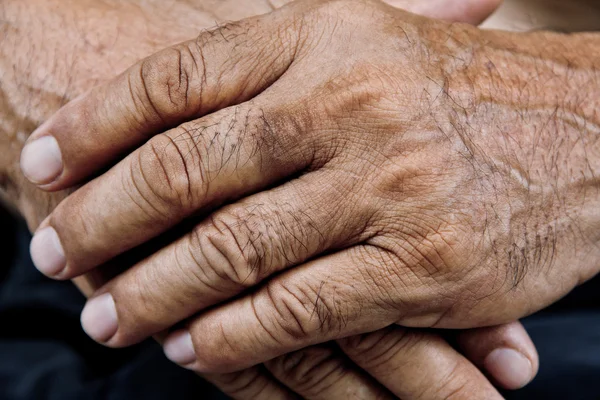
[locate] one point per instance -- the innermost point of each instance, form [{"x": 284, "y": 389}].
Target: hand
[
  {"x": 432, "y": 212},
  {"x": 406, "y": 363},
  {"x": 312, "y": 372}
]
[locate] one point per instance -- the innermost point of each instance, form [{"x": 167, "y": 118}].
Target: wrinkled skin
[
  {"x": 90, "y": 42},
  {"x": 94, "y": 42},
  {"x": 447, "y": 182}
]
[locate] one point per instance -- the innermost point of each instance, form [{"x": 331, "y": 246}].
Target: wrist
[
  {"x": 535, "y": 97},
  {"x": 522, "y": 109}
]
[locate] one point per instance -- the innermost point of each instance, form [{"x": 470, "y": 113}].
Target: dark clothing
[{"x": 45, "y": 355}]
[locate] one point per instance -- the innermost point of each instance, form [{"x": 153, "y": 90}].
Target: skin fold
[{"x": 327, "y": 95}]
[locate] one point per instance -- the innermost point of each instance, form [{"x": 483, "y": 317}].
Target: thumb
[
  {"x": 505, "y": 352},
  {"x": 469, "y": 11}
]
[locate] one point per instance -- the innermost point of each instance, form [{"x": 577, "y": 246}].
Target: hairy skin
[
  {"x": 448, "y": 181},
  {"x": 45, "y": 62}
]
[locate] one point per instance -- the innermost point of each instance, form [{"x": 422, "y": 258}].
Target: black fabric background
[{"x": 45, "y": 355}]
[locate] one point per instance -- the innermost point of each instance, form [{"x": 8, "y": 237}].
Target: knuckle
[
  {"x": 309, "y": 370},
  {"x": 295, "y": 312},
  {"x": 166, "y": 82},
  {"x": 452, "y": 386},
  {"x": 218, "y": 354},
  {"x": 245, "y": 384},
  {"x": 231, "y": 143},
  {"x": 437, "y": 254},
  {"x": 444, "y": 246},
  {"x": 373, "y": 350},
  {"x": 270, "y": 133},
  {"x": 163, "y": 175},
  {"x": 231, "y": 246}
]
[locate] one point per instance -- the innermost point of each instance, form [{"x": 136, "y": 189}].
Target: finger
[
  {"x": 233, "y": 250},
  {"x": 469, "y": 11},
  {"x": 415, "y": 365},
  {"x": 221, "y": 67},
  {"x": 252, "y": 383},
  {"x": 324, "y": 373},
  {"x": 505, "y": 352},
  {"x": 322, "y": 300},
  {"x": 187, "y": 170}
]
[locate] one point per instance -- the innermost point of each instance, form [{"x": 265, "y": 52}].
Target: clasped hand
[{"x": 350, "y": 167}]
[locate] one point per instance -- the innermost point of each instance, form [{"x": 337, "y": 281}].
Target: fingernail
[
  {"x": 99, "y": 318},
  {"x": 510, "y": 368},
  {"x": 47, "y": 253},
  {"x": 41, "y": 160},
  {"x": 179, "y": 348}
]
